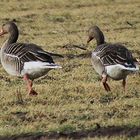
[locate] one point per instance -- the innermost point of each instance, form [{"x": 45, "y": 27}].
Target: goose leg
[
  {"x": 29, "y": 85},
  {"x": 108, "y": 87},
  {"x": 104, "y": 81},
  {"x": 124, "y": 84}
]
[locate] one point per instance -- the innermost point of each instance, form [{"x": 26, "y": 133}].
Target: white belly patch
[{"x": 118, "y": 71}]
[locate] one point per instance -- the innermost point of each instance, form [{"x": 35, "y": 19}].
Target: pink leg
[
  {"x": 29, "y": 85},
  {"x": 104, "y": 81},
  {"x": 124, "y": 84},
  {"x": 108, "y": 87}
]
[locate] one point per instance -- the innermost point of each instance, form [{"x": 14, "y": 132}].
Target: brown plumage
[
  {"x": 24, "y": 60},
  {"x": 111, "y": 60}
]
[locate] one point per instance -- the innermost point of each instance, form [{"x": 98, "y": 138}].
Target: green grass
[{"x": 73, "y": 98}]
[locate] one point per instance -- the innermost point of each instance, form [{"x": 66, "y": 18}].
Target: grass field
[{"x": 72, "y": 98}]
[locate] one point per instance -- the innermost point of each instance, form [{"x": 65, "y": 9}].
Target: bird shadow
[{"x": 110, "y": 131}]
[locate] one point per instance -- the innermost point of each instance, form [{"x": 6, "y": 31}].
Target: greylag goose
[
  {"x": 111, "y": 60},
  {"x": 24, "y": 60}
]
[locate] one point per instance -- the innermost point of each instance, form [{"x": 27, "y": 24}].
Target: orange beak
[
  {"x": 138, "y": 61},
  {"x": 2, "y": 32},
  {"x": 89, "y": 39}
]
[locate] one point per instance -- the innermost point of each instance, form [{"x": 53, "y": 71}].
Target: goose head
[
  {"x": 11, "y": 29},
  {"x": 94, "y": 32}
]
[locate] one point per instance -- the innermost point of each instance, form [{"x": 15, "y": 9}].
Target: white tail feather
[{"x": 40, "y": 65}]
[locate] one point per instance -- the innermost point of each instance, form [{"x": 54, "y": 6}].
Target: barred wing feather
[
  {"x": 18, "y": 53},
  {"x": 114, "y": 54}
]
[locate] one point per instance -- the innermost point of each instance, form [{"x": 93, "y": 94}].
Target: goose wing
[
  {"x": 111, "y": 54},
  {"x": 17, "y": 54},
  {"x": 28, "y": 52}
]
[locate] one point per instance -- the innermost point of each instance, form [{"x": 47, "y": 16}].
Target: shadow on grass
[{"x": 98, "y": 132}]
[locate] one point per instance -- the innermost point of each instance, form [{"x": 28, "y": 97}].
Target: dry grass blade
[{"x": 68, "y": 46}]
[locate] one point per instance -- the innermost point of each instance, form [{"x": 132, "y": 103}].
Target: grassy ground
[{"x": 70, "y": 99}]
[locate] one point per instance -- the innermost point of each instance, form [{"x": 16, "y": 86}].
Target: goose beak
[
  {"x": 2, "y": 32},
  {"x": 89, "y": 39},
  {"x": 138, "y": 61}
]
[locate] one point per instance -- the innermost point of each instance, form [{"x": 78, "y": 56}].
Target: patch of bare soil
[{"x": 98, "y": 132}]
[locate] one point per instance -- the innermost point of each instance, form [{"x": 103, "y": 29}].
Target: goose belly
[
  {"x": 10, "y": 67},
  {"x": 97, "y": 64},
  {"x": 118, "y": 72},
  {"x": 35, "y": 73},
  {"x": 36, "y": 69}
]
